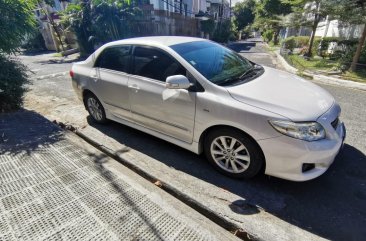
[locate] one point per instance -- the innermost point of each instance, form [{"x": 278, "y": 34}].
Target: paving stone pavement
[{"x": 52, "y": 189}]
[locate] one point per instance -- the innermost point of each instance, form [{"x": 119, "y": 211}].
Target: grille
[{"x": 335, "y": 123}]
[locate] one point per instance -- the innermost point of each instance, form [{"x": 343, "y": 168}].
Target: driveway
[{"x": 331, "y": 206}]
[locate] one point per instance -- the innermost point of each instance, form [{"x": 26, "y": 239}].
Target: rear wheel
[
  {"x": 233, "y": 153},
  {"x": 95, "y": 108}
]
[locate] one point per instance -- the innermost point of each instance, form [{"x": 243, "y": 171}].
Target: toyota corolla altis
[{"x": 208, "y": 99}]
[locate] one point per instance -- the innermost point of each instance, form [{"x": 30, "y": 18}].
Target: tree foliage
[
  {"x": 269, "y": 16},
  {"x": 352, "y": 12},
  {"x": 208, "y": 26},
  {"x": 99, "y": 21},
  {"x": 13, "y": 77},
  {"x": 269, "y": 8},
  {"x": 313, "y": 11},
  {"x": 244, "y": 13},
  {"x": 223, "y": 32},
  {"x": 16, "y": 20}
]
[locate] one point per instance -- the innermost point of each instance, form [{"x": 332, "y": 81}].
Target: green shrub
[
  {"x": 222, "y": 32},
  {"x": 363, "y": 56},
  {"x": 13, "y": 77},
  {"x": 296, "y": 42},
  {"x": 315, "y": 48},
  {"x": 268, "y": 35},
  {"x": 344, "y": 57},
  {"x": 34, "y": 42},
  {"x": 289, "y": 43},
  {"x": 344, "y": 47},
  {"x": 301, "y": 41}
]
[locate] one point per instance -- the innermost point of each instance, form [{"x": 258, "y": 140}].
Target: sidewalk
[{"x": 54, "y": 186}]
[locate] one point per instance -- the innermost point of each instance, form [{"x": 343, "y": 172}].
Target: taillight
[{"x": 71, "y": 74}]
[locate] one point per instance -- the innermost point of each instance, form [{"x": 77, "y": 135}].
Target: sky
[{"x": 234, "y": 1}]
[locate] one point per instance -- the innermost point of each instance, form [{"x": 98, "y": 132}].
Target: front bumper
[{"x": 285, "y": 156}]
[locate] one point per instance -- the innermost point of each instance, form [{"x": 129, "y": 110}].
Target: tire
[
  {"x": 95, "y": 108},
  {"x": 227, "y": 160}
]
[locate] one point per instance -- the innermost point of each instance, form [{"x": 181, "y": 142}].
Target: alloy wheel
[
  {"x": 95, "y": 109},
  {"x": 230, "y": 154}
]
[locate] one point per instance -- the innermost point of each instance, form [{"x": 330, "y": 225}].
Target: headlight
[{"x": 308, "y": 131}]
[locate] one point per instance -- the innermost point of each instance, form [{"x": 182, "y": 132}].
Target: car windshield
[{"x": 218, "y": 64}]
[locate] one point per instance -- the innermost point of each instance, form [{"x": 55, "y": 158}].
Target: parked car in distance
[{"x": 208, "y": 99}]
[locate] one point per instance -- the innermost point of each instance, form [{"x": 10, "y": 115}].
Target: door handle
[
  {"x": 94, "y": 77},
  {"x": 134, "y": 87}
]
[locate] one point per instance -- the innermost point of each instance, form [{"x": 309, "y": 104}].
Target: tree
[
  {"x": 353, "y": 12},
  {"x": 244, "y": 13},
  {"x": 101, "y": 21},
  {"x": 77, "y": 18},
  {"x": 16, "y": 20},
  {"x": 317, "y": 9},
  {"x": 42, "y": 4},
  {"x": 268, "y": 15},
  {"x": 208, "y": 26}
]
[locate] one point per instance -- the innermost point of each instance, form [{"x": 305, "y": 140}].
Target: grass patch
[
  {"x": 57, "y": 55},
  {"x": 312, "y": 64},
  {"x": 323, "y": 65},
  {"x": 358, "y": 76},
  {"x": 271, "y": 47}
]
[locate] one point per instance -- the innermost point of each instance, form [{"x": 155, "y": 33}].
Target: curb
[
  {"x": 321, "y": 78},
  {"x": 208, "y": 213}
]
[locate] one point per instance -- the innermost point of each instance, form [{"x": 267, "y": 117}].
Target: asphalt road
[
  {"x": 332, "y": 206},
  {"x": 44, "y": 64}
]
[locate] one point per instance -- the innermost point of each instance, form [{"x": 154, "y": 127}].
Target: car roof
[{"x": 157, "y": 40}]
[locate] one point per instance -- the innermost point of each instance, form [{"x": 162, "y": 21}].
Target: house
[
  {"x": 218, "y": 9},
  {"x": 326, "y": 27},
  {"x": 160, "y": 17},
  {"x": 335, "y": 28}
]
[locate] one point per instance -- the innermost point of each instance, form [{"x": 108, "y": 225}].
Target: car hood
[{"x": 284, "y": 94}]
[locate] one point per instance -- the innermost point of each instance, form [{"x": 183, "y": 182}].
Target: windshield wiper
[
  {"x": 239, "y": 78},
  {"x": 246, "y": 73}
]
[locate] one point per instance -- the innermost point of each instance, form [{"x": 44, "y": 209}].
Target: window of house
[
  {"x": 115, "y": 58},
  {"x": 155, "y": 64}
]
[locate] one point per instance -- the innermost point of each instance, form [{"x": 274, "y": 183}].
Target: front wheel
[
  {"x": 95, "y": 108},
  {"x": 233, "y": 153}
]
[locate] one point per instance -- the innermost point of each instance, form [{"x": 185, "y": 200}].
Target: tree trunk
[
  {"x": 311, "y": 41},
  {"x": 275, "y": 37},
  {"x": 53, "y": 24},
  {"x": 357, "y": 55},
  {"x": 57, "y": 33}
]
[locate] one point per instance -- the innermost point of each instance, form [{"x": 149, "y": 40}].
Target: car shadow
[
  {"x": 321, "y": 206},
  {"x": 37, "y": 52}
]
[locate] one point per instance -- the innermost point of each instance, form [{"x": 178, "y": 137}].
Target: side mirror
[{"x": 177, "y": 82}]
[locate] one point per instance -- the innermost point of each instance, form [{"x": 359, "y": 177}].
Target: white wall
[{"x": 338, "y": 29}]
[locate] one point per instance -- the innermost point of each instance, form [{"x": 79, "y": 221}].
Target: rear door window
[
  {"x": 155, "y": 64},
  {"x": 115, "y": 58}
]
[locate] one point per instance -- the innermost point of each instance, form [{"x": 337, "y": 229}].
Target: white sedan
[{"x": 208, "y": 99}]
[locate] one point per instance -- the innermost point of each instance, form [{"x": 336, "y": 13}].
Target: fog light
[{"x": 307, "y": 167}]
